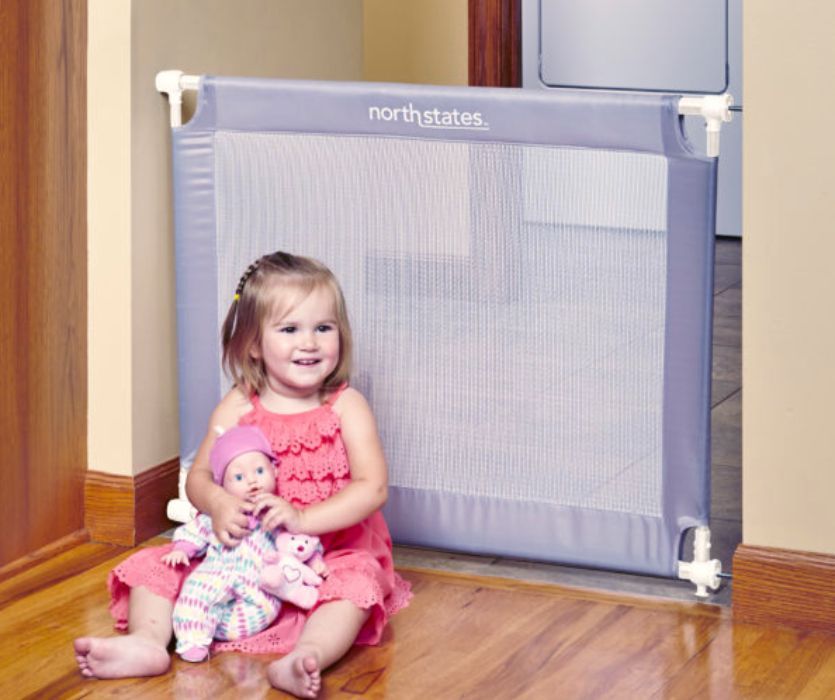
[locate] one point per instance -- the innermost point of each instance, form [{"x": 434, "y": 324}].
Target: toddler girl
[{"x": 287, "y": 346}]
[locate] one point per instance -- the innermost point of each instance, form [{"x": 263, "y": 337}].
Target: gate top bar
[{"x": 714, "y": 108}]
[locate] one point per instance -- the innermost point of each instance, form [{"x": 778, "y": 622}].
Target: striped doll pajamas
[{"x": 222, "y": 599}]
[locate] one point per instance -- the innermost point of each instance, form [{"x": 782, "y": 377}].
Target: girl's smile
[{"x": 300, "y": 349}]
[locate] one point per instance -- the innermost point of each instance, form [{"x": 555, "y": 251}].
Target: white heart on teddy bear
[{"x": 291, "y": 573}]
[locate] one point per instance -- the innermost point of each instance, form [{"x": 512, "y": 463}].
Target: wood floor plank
[
  {"x": 496, "y": 638},
  {"x": 821, "y": 684},
  {"x": 708, "y": 674},
  {"x": 804, "y": 653},
  {"x": 36, "y": 631},
  {"x": 463, "y": 637},
  {"x": 631, "y": 657}
]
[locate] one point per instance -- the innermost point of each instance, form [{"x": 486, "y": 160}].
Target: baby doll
[{"x": 222, "y": 598}]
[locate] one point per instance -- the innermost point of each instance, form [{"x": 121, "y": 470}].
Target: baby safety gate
[{"x": 529, "y": 280}]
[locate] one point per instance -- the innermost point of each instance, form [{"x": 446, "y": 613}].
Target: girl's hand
[
  {"x": 175, "y": 558},
  {"x": 229, "y": 518},
  {"x": 277, "y": 513},
  {"x": 319, "y": 567}
]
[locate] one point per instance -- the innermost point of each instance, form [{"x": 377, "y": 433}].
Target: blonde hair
[{"x": 272, "y": 285}]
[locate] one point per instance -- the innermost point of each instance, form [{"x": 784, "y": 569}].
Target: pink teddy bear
[{"x": 287, "y": 576}]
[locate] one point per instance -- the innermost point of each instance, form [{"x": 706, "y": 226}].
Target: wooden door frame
[
  {"x": 43, "y": 266},
  {"x": 495, "y": 43}
]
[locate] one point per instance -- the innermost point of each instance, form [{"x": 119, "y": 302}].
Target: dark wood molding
[
  {"x": 495, "y": 43},
  {"x": 49, "y": 551},
  {"x": 108, "y": 508},
  {"x": 784, "y": 587},
  {"x": 127, "y": 510},
  {"x": 154, "y": 488}
]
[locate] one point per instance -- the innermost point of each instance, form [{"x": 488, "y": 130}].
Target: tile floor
[{"x": 726, "y": 496}]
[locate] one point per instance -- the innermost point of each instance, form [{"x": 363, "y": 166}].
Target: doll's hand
[
  {"x": 230, "y": 518},
  {"x": 175, "y": 558},
  {"x": 277, "y": 513}
]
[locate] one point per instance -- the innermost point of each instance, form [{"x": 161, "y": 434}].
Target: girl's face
[
  {"x": 301, "y": 347},
  {"x": 249, "y": 474}
]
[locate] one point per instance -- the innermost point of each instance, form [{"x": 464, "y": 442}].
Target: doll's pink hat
[{"x": 235, "y": 442}]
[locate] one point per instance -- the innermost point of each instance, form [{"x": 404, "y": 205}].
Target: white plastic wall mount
[
  {"x": 703, "y": 571},
  {"x": 173, "y": 83},
  {"x": 715, "y": 109}
]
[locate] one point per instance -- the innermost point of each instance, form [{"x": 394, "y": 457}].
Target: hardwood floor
[{"x": 463, "y": 636}]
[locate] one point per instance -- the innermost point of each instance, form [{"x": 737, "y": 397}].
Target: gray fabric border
[
  {"x": 688, "y": 342},
  {"x": 514, "y": 115},
  {"x": 198, "y": 346},
  {"x": 525, "y": 529}
]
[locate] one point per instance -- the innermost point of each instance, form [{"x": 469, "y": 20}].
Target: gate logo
[{"x": 430, "y": 118}]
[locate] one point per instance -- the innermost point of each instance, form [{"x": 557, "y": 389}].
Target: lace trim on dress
[
  {"x": 360, "y": 582},
  {"x": 144, "y": 568},
  {"x": 310, "y": 492},
  {"x": 313, "y": 463},
  {"x": 292, "y": 434},
  {"x": 272, "y": 640},
  {"x": 326, "y": 463}
]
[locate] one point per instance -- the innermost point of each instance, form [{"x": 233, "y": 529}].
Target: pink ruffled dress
[{"x": 313, "y": 466}]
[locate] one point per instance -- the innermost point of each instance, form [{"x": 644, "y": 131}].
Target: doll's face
[{"x": 250, "y": 474}]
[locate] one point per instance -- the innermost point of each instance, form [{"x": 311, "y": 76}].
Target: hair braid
[{"x": 247, "y": 274}]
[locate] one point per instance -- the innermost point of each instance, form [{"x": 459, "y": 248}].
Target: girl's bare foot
[
  {"x": 120, "y": 657},
  {"x": 297, "y": 673}
]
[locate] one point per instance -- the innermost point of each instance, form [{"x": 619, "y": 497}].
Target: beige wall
[
  {"x": 109, "y": 376},
  {"x": 415, "y": 41},
  {"x": 132, "y": 371},
  {"x": 789, "y": 285}
]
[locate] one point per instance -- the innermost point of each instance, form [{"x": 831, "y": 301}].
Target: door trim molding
[
  {"x": 495, "y": 43},
  {"x": 48, "y": 551}
]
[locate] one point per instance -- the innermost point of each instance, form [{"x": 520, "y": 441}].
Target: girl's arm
[
  {"x": 368, "y": 489},
  {"x": 228, "y": 514}
]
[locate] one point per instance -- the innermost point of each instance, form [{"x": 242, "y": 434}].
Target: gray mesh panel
[{"x": 508, "y": 302}]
